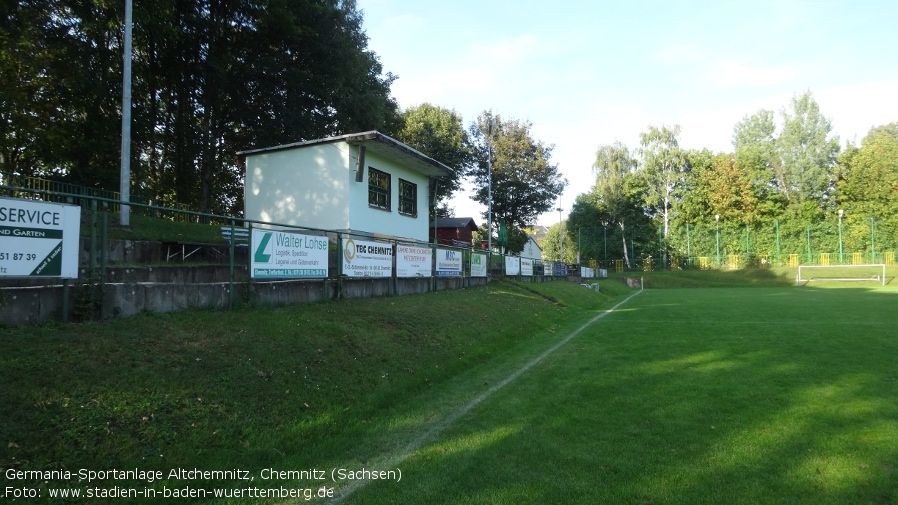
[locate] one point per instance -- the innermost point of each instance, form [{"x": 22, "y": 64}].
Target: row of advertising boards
[
  {"x": 289, "y": 255},
  {"x": 40, "y": 239}
]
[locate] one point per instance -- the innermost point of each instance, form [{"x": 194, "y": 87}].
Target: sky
[{"x": 589, "y": 73}]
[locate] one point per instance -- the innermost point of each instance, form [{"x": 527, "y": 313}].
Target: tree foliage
[
  {"x": 210, "y": 78},
  {"x": 719, "y": 186},
  {"x": 615, "y": 196},
  {"x": 440, "y": 134},
  {"x": 868, "y": 175},
  {"x": 774, "y": 182},
  {"x": 662, "y": 169},
  {"x": 525, "y": 183},
  {"x": 551, "y": 244},
  {"x": 806, "y": 151}
]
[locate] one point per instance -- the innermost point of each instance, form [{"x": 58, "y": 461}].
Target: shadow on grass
[{"x": 725, "y": 396}]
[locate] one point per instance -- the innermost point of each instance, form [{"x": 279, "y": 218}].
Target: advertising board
[
  {"x": 38, "y": 239},
  {"x": 413, "y": 261},
  {"x": 527, "y": 267},
  {"x": 478, "y": 265},
  {"x": 448, "y": 263},
  {"x": 559, "y": 269},
  {"x": 367, "y": 259},
  {"x": 512, "y": 265},
  {"x": 287, "y": 255}
]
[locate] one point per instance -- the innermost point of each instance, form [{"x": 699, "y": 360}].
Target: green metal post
[
  {"x": 231, "y": 267},
  {"x": 92, "y": 254},
  {"x": 251, "y": 290},
  {"x": 718, "y": 244},
  {"x": 809, "y": 245},
  {"x": 605, "y": 232},
  {"x": 340, "y": 247},
  {"x": 777, "y": 227},
  {"x": 579, "y": 236},
  {"x": 873, "y": 240},
  {"x": 65, "y": 300},
  {"x": 841, "y": 261},
  {"x": 104, "y": 259}
]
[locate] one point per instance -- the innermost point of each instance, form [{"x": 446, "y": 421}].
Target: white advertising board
[
  {"x": 512, "y": 265},
  {"x": 527, "y": 267},
  {"x": 413, "y": 261},
  {"x": 478, "y": 265},
  {"x": 448, "y": 263},
  {"x": 38, "y": 239},
  {"x": 367, "y": 259},
  {"x": 286, "y": 255}
]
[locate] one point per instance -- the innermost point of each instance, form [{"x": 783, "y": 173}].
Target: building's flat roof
[{"x": 374, "y": 142}]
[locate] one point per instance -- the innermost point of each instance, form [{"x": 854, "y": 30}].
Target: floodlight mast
[
  {"x": 717, "y": 218},
  {"x": 489, "y": 184},
  {"x": 125, "y": 175},
  {"x": 840, "y": 235},
  {"x": 560, "y": 237}
]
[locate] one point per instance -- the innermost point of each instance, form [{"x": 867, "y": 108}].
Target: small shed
[
  {"x": 453, "y": 231},
  {"x": 364, "y": 183}
]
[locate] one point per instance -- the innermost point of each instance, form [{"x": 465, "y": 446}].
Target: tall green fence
[
  {"x": 711, "y": 244},
  {"x": 851, "y": 240}
]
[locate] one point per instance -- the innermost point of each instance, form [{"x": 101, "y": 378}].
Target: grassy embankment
[{"x": 287, "y": 387}]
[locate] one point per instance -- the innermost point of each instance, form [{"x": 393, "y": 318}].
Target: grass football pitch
[{"x": 729, "y": 395}]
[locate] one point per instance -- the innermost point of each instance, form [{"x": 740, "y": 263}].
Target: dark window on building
[
  {"x": 378, "y": 189},
  {"x": 408, "y": 198}
]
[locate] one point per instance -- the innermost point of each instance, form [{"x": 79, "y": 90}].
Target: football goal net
[{"x": 841, "y": 273}]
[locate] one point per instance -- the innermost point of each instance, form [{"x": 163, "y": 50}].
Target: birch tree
[
  {"x": 663, "y": 168},
  {"x": 613, "y": 190}
]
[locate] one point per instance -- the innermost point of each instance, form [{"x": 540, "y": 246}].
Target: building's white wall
[
  {"x": 532, "y": 250},
  {"x": 315, "y": 186},
  {"x": 300, "y": 187},
  {"x": 392, "y": 223}
]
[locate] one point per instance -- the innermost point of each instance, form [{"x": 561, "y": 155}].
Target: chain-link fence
[{"x": 849, "y": 240}]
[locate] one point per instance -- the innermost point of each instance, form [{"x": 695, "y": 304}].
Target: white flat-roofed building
[{"x": 365, "y": 183}]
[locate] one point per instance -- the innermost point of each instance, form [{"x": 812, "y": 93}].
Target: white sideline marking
[{"x": 450, "y": 419}]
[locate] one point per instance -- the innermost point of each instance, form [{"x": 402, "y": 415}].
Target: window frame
[
  {"x": 377, "y": 189},
  {"x": 408, "y": 200}
]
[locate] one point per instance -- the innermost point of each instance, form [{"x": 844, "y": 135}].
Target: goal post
[{"x": 841, "y": 273}]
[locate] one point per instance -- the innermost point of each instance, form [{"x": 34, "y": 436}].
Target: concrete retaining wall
[
  {"x": 173, "y": 284},
  {"x": 131, "y": 290}
]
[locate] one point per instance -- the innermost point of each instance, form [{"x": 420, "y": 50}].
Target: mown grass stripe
[{"x": 446, "y": 422}]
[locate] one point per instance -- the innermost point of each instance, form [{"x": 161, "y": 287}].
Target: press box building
[{"x": 365, "y": 183}]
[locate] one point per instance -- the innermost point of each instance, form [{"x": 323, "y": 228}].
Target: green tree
[
  {"x": 867, "y": 185},
  {"x": 807, "y": 152},
  {"x": 694, "y": 204},
  {"x": 662, "y": 169},
  {"x": 551, "y": 243},
  {"x": 440, "y": 134},
  {"x": 209, "y": 79},
  {"x": 614, "y": 194},
  {"x": 730, "y": 190},
  {"x": 754, "y": 143},
  {"x": 584, "y": 228},
  {"x": 60, "y": 89},
  {"x": 525, "y": 183}
]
